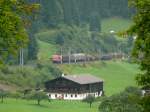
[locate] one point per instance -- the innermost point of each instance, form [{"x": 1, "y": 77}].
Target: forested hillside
[
  {"x": 78, "y": 12},
  {"x": 75, "y": 39}
]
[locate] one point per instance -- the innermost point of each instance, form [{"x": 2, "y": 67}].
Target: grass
[
  {"x": 12, "y": 105},
  {"x": 46, "y": 50},
  {"x": 117, "y": 75},
  {"x": 115, "y": 24}
]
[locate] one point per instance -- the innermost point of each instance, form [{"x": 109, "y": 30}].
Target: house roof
[{"x": 83, "y": 79}]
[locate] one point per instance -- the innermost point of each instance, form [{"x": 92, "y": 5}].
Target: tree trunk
[
  {"x": 90, "y": 105},
  {"x": 2, "y": 99},
  {"x": 38, "y": 102}
]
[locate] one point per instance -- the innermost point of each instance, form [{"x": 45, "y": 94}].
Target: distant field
[
  {"x": 117, "y": 75},
  {"x": 115, "y": 24},
  {"x": 12, "y": 105},
  {"x": 46, "y": 50}
]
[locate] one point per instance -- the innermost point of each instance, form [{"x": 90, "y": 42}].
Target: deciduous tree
[
  {"x": 89, "y": 99},
  {"x": 127, "y": 101},
  {"x": 38, "y": 96},
  {"x": 141, "y": 51},
  {"x": 3, "y": 94},
  {"x": 13, "y": 22}
]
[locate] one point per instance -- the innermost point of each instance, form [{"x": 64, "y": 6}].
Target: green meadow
[
  {"x": 13, "y": 105},
  {"x": 116, "y": 24}
]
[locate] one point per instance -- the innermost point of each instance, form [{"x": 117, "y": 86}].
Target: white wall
[{"x": 68, "y": 96}]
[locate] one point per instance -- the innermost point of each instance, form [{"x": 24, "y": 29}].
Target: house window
[
  {"x": 71, "y": 95},
  {"x": 75, "y": 95},
  {"x": 55, "y": 95}
]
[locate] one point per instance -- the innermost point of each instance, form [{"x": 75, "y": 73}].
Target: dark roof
[{"x": 83, "y": 79}]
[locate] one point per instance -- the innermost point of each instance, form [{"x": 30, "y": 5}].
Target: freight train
[
  {"x": 81, "y": 57},
  {"x": 73, "y": 58}
]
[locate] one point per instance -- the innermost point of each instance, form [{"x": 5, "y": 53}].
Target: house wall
[{"x": 72, "y": 96}]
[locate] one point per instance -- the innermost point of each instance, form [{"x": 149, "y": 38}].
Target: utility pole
[
  {"x": 61, "y": 54},
  {"x": 69, "y": 55},
  {"x": 21, "y": 57}
]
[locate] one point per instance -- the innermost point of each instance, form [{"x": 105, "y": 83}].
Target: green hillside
[
  {"x": 117, "y": 75},
  {"x": 45, "y": 50}
]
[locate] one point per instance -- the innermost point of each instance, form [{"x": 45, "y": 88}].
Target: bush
[
  {"x": 38, "y": 96},
  {"x": 3, "y": 94},
  {"x": 23, "y": 77},
  {"x": 126, "y": 101}
]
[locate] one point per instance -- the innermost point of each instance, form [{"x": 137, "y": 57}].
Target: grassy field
[
  {"x": 117, "y": 75},
  {"x": 115, "y": 24},
  {"x": 45, "y": 50},
  {"x": 12, "y": 105}
]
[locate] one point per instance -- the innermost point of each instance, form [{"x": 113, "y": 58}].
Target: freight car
[{"x": 111, "y": 56}]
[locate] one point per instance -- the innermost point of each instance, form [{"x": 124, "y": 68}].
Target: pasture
[
  {"x": 116, "y": 24},
  {"x": 13, "y": 105}
]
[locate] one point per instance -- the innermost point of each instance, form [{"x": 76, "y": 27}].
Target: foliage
[
  {"x": 55, "y": 12},
  {"x": 3, "y": 94},
  {"x": 141, "y": 49},
  {"x": 127, "y": 101},
  {"x": 17, "y": 95},
  {"x": 41, "y": 72},
  {"x": 79, "y": 12},
  {"x": 89, "y": 99},
  {"x": 145, "y": 102},
  {"x": 142, "y": 44},
  {"x": 38, "y": 96},
  {"x": 13, "y": 35},
  {"x": 76, "y": 39}
]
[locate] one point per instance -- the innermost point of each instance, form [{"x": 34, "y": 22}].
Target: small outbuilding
[{"x": 74, "y": 87}]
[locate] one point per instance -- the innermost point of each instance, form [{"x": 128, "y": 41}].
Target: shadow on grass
[{"x": 36, "y": 105}]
